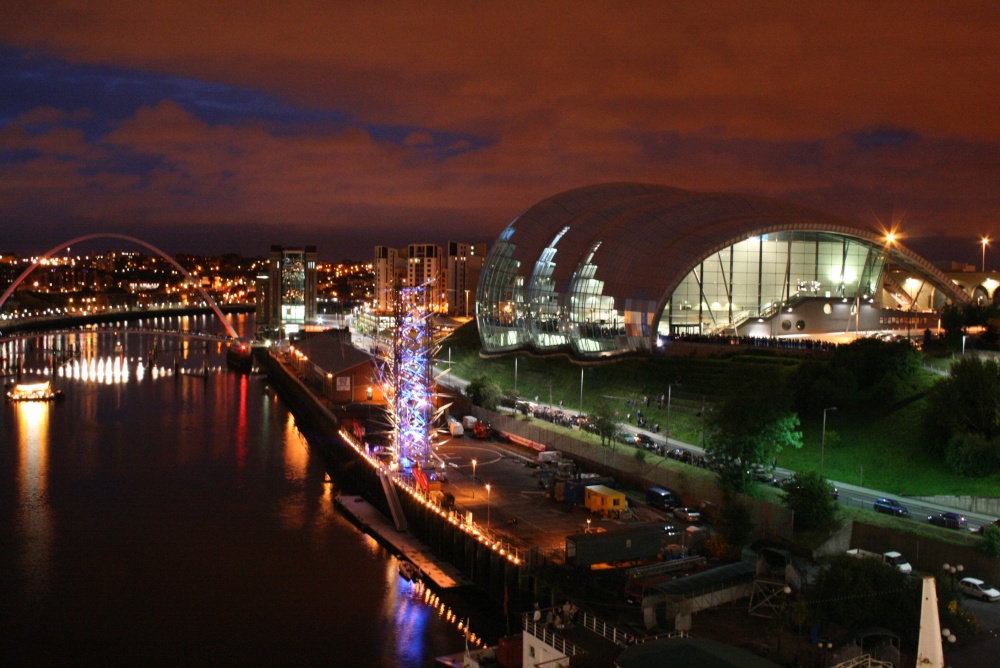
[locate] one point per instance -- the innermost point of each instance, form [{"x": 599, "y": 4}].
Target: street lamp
[
  {"x": 986, "y": 242},
  {"x": 822, "y": 440},
  {"x": 952, "y": 570},
  {"x": 670, "y": 390},
  {"x": 474, "y": 462},
  {"x": 487, "y": 507}
]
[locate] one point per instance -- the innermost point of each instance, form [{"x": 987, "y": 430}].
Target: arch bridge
[{"x": 112, "y": 235}]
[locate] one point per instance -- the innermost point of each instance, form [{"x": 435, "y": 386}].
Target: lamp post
[
  {"x": 515, "y": 375},
  {"x": 581, "y": 390},
  {"x": 986, "y": 242},
  {"x": 822, "y": 440},
  {"x": 474, "y": 478},
  {"x": 670, "y": 389},
  {"x": 487, "y": 507},
  {"x": 952, "y": 570}
]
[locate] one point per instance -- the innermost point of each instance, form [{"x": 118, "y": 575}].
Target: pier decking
[{"x": 444, "y": 575}]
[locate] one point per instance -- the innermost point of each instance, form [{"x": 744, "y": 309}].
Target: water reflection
[
  {"x": 173, "y": 476},
  {"x": 34, "y": 516}
]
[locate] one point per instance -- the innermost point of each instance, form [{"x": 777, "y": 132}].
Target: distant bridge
[{"x": 111, "y": 235}]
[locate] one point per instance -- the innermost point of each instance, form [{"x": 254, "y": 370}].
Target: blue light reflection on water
[{"x": 186, "y": 518}]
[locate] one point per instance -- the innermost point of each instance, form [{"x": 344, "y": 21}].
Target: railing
[
  {"x": 864, "y": 660},
  {"x": 456, "y": 517},
  {"x": 605, "y": 630},
  {"x": 541, "y": 631},
  {"x": 664, "y": 567}
]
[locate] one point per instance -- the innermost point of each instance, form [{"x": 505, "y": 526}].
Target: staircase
[{"x": 395, "y": 507}]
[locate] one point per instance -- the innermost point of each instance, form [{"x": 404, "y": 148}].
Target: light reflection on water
[
  {"x": 144, "y": 467},
  {"x": 34, "y": 517}
]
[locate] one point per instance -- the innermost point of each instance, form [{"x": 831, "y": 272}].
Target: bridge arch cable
[{"x": 112, "y": 235}]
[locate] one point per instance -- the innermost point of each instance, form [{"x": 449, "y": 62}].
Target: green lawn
[{"x": 879, "y": 450}]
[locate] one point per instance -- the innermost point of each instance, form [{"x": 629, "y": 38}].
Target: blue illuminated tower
[{"x": 413, "y": 385}]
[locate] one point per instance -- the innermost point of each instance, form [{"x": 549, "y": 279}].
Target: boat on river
[
  {"x": 37, "y": 391},
  {"x": 239, "y": 357}
]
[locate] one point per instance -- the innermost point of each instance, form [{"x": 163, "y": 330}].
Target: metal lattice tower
[{"x": 412, "y": 412}]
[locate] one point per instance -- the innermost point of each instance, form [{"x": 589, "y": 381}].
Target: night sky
[{"x": 229, "y": 126}]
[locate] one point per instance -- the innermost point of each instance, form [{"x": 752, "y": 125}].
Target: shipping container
[{"x": 641, "y": 542}]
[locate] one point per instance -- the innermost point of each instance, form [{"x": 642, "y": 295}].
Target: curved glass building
[{"x": 609, "y": 269}]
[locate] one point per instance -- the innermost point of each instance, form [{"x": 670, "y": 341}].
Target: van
[{"x": 661, "y": 498}]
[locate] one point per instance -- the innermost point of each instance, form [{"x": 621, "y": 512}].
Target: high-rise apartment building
[
  {"x": 451, "y": 276},
  {"x": 425, "y": 265},
  {"x": 390, "y": 268},
  {"x": 465, "y": 264},
  {"x": 286, "y": 295},
  {"x": 417, "y": 264}
]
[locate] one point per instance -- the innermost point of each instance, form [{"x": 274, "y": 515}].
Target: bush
[
  {"x": 810, "y": 496},
  {"x": 991, "y": 540},
  {"x": 484, "y": 392}
]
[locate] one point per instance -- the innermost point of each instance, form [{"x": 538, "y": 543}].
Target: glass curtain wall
[
  {"x": 756, "y": 276},
  {"x": 500, "y": 305},
  {"x": 545, "y": 312},
  {"x": 293, "y": 288}
]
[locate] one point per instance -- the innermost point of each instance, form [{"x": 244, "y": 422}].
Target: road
[{"x": 849, "y": 495}]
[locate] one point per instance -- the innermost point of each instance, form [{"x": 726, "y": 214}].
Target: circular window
[
  {"x": 786, "y": 325},
  {"x": 827, "y": 309},
  {"x": 800, "y": 325}
]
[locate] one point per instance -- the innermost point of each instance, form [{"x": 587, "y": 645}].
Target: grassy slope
[{"x": 883, "y": 447}]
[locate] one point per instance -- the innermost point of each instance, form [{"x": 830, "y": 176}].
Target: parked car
[
  {"x": 763, "y": 474},
  {"x": 661, "y": 498},
  {"x": 680, "y": 454},
  {"x": 644, "y": 441},
  {"x": 890, "y": 507},
  {"x": 948, "y": 520},
  {"x": 687, "y": 514},
  {"x": 978, "y": 589},
  {"x": 982, "y": 529}
]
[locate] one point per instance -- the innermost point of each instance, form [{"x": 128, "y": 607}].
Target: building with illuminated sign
[{"x": 286, "y": 294}]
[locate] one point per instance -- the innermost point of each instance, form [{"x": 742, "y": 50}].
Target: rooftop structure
[{"x": 612, "y": 269}]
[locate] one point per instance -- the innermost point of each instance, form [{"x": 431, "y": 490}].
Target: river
[{"x": 161, "y": 518}]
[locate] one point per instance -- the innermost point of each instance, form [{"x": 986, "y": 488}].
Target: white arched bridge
[{"x": 233, "y": 335}]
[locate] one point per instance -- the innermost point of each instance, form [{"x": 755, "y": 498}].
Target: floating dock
[{"x": 444, "y": 575}]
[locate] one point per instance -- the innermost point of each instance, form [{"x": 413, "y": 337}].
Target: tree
[
  {"x": 484, "y": 392},
  {"x": 962, "y": 419},
  {"x": 856, "y": 593},
  {"x": 991, "y": 540},
  {"x": 810, "y": 497},
  {"x": 738, "y": 525},
  {"x": 953, "y": 322},
  {"x": 605, "y": 421},
  {"x": 882, "y": 369},
  {"x": 747, "y": 430}
]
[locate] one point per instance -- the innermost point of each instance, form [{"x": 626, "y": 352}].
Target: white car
[
  {"x": 687, "y": 514},
  {"x": 978, "y": 589}
]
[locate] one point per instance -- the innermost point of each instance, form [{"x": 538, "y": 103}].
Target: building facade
[
  {"x": 451, "y": 277},
  {"x": 615, "y": 269},
  {"x": 286, "y": 293},
  {"x": 465, "y": 265}
]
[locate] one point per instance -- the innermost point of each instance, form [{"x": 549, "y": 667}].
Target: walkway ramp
[{"x": 395, "y": 507}]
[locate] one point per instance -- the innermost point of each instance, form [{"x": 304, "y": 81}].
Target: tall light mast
[{"x": 411, "y": 379}]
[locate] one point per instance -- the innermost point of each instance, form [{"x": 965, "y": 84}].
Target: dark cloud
[{"x": 363, "y": 123}]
